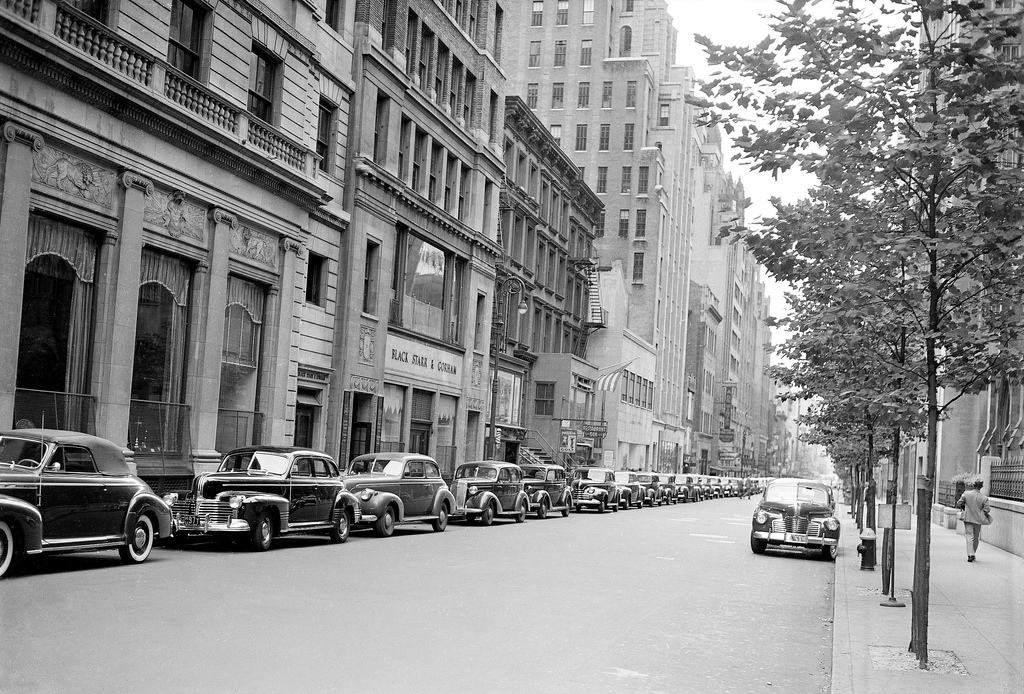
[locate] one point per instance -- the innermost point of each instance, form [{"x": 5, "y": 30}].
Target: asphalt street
[{"x": 664, "y": 599}]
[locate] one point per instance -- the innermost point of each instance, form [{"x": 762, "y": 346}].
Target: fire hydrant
[{"x": 866, "y": 550}]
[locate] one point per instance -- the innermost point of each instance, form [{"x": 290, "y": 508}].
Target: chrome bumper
[
  {"x": 234, "y": 525},
  {"x": 787, "y": 539}
]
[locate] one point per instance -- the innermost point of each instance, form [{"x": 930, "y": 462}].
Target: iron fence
[
  {"x": 1007, "y": 481},
  {"x": 53, "y": 410},
  {"x": 159, "y": 434},
  {"x": 946, "y": 493}
]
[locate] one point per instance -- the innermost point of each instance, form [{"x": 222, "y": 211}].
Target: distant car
[
  {"x": 796, "y": 513},
  {"x": 687, "y": 488},
  {"x": 547, "y": 488},
  {"x": 399, "y": 488},
  {"x": 263, "y": 492},
  {"x": 631, "y": 492},
  {"x": 595, "y": 487},
  {"x": 652, "y": 488},
  {"x": 668, "y": 487},
  {"x": 62, "y": 491},
  {"x": 717, "y": 488},
  {"x": 486, "y": 489}
]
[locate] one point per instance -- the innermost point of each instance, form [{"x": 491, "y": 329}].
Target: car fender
[
  {"x": 443, "y": 495},
  {"x": 147, "y": 502},
  {"x": 520, "y": 498},
  {"x": 376, "y": 504},
  {"x": 257, "y": 503},
  {"x": 25, "y": 520},
  {"x": 566, "y": 498},
  {"x": 481, "y": 499},
  {"x": 344, "y": 500},
  {"x": 539, "y": 496}
]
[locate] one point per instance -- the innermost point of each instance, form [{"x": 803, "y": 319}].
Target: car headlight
[
  {"x": 761, "y": 517},
  {"x": 590, "y": 490},
  {"x": 472, "y": 490},
  {"x": 832, "y": 523},
  {"x": 368, "y": 494},
  {"x": 170, "y": 498},
  {"x": 529, "y": 489},
  {"x": 236, "y": 501}
]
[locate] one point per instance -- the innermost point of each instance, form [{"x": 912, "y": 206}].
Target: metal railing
[
  {"x": 445, "y": 456},
  {"x": 52, "y": 410},
  {"x": 1007, "y": 481},
  {"x": 160, "y": 436},
  {"x": 236, "y": 428},
  {"x": 946, "y": 494}
]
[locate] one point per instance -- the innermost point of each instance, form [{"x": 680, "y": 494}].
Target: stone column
[
  {"x": 209, "y": 299},
  {"x": 278, "y": 396},
  {"x": 16, "y": 160},
  {"x": 117, "y": 296}
]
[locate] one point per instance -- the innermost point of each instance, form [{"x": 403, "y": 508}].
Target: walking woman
[{"x": 976, "y": 513}]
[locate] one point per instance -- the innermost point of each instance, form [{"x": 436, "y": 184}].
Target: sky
[{"x": 738, "y": 23}]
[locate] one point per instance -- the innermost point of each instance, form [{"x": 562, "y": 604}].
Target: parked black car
[
  {"x": 485, "y": 489},
  {"x": 398, "y": 488},
  {"x": 796, "y": 513},
  {"x": 595, "y": 487},
  {"x": 62, "y": 491},
  {"x": 263, "y": 492},
  {"x": 548, "y": 489}
]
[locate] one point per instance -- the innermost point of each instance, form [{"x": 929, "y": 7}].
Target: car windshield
[
  {"x": 533, "y": 472},
  {"x": 258, "y": 460},
  {"x": 596, "y": 475},
  {"x": 361, "y": 467},
  {"x": 622, "y": 477},
  {"x": 23, "y": 452},
  {"x": 644, "y": 479},
  {"x": 485, "y": 471},
  {"x": 790, "y": 493},
  {"x": 393, "y": 468}
]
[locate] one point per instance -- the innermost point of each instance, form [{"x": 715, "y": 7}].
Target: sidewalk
[{"x": 976, "y": 619}]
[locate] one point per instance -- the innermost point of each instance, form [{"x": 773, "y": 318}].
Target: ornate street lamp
[{"x": 506, "y": 288}]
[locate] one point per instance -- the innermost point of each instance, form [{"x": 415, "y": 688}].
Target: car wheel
[
  {"x": 542, "y": 510},
  {"x": 829, "y": 552},
  {"x": 615, "y": 506},
  {"x": 385, "y": 525},
  {"x": 140, "y": 542},
  {"x": 441, "y": 522},
  {"x": 600, "y": 506},
  {"x": 339, "y": 533},
  {"x": 577, "y": 509},
  {"x": 565, "y": 509},
  {"x": 487, "y": 517},
  {"x": 758, "y": 546},
  {"x": 7, "y": 548},
  {"x": 639, "y": 503},
  {"x": 263, "y": 533},
  {"x": 524, "y": 508}
]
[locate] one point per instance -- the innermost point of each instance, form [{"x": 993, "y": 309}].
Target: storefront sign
[
  {"x": 422, "y": 362},
  {"x": 567, "y": 441},
  {"x": 594, "y": 430}
]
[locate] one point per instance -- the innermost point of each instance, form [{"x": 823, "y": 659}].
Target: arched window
[{"x": 625, "y": 41}]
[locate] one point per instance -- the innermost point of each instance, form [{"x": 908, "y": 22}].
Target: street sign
[
  {"x": 567, "y": 441},
  {"x": 594, "y": 430}
]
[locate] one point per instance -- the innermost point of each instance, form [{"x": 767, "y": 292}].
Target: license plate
[
  {"x": 190, "y": 520},
  {"x": 796, "y": 537}
]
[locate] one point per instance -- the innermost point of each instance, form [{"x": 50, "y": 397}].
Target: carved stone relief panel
[
  {"x": 72, "y": 176},
  {"x": 476, "y": 377},
  {"x": 254, "y": 245},
  {"x": 175, "y": 215},
  {"x": 367, "y": 344}
]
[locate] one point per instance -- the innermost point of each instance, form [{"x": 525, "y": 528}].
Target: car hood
[
  {"x": 18, "y": 475},
  {"x": 211, "y": 484},
  {"x": 804, "y": 508},
  {"x": 368, "y": 479}
]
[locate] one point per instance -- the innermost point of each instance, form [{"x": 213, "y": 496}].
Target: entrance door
[
  {"x": 360, "y": 439},
  {"x": 419, "y": 438},
  {"x": 304, "y": 418}
]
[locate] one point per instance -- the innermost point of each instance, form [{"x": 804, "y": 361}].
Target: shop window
[{"x": 428, "y": 291}]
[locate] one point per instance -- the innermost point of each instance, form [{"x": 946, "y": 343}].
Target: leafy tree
[{"x": 908, "y": 113}]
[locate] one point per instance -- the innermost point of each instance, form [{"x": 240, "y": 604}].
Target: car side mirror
[{"x": 53, "y": 467}]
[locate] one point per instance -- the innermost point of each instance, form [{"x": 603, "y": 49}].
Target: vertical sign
[
  {"x": 346, "y": 427},
  {"x": 379, "y": 424}
]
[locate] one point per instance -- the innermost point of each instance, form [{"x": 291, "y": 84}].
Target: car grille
[
  {"x": 796, "y": 524},
  {"x": 460, "y": 494},
  {"x": 218, "y": 511}
]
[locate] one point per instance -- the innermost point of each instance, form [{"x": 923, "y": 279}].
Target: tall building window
[
  {"x": 631, "y": 94},
  {"x": 581, "y": 137},
  {"x": 556, "y": 135},
  {"x": 425, "y": 57},
  {"x": 380, "y": 129},
  {"x": 544, "y": 401},
  {"x": 599, "y": 225},
  {"x": 557, "y": 95},
  {"x": 627, "y": 179},
  {"x": 560, "y": 53},
  {"x": 663, "y": 114},
  {"x": 627, "y": 6},
  {"x": 638, "y": 267},
  {"x": 562, "y": 14},
  {"x": 371, "y": 268},
  {"x": 641, "y": 180},
  {"x": 602, "y": 179},
  {"x": 404, "y": 142},
  {"x": 641, "y": 224},
  {"x": 588, "y": 12},
  {"x": 97, "y": 9},
  {"x": 531, "y": 95},
  {"x": 419, "y": 156},
  {"x": 186, "y": 36},
  {"x": 606, "y": 95},
  {"x": 627, "y": 137},
  {"x": 324, "y": 136},
  {"x": 334, "y": 15},
  {"x": 624, "y": 224},
  {"x": 625, "y": 42},
  {"x": 470, "y": 99},
  {"x": 534, "y": 54},
  {"x": 586, "y": 51},
  {"x": 583, "y": 95},
  {"x": 537, "y": 18},
  {"x": 316, "y": 279},
  {"x": 262, "y": 83},
  {"x": 605, "y": 135}
]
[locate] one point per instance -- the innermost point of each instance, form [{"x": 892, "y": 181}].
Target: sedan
[{"x": 796, "y": 513}]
